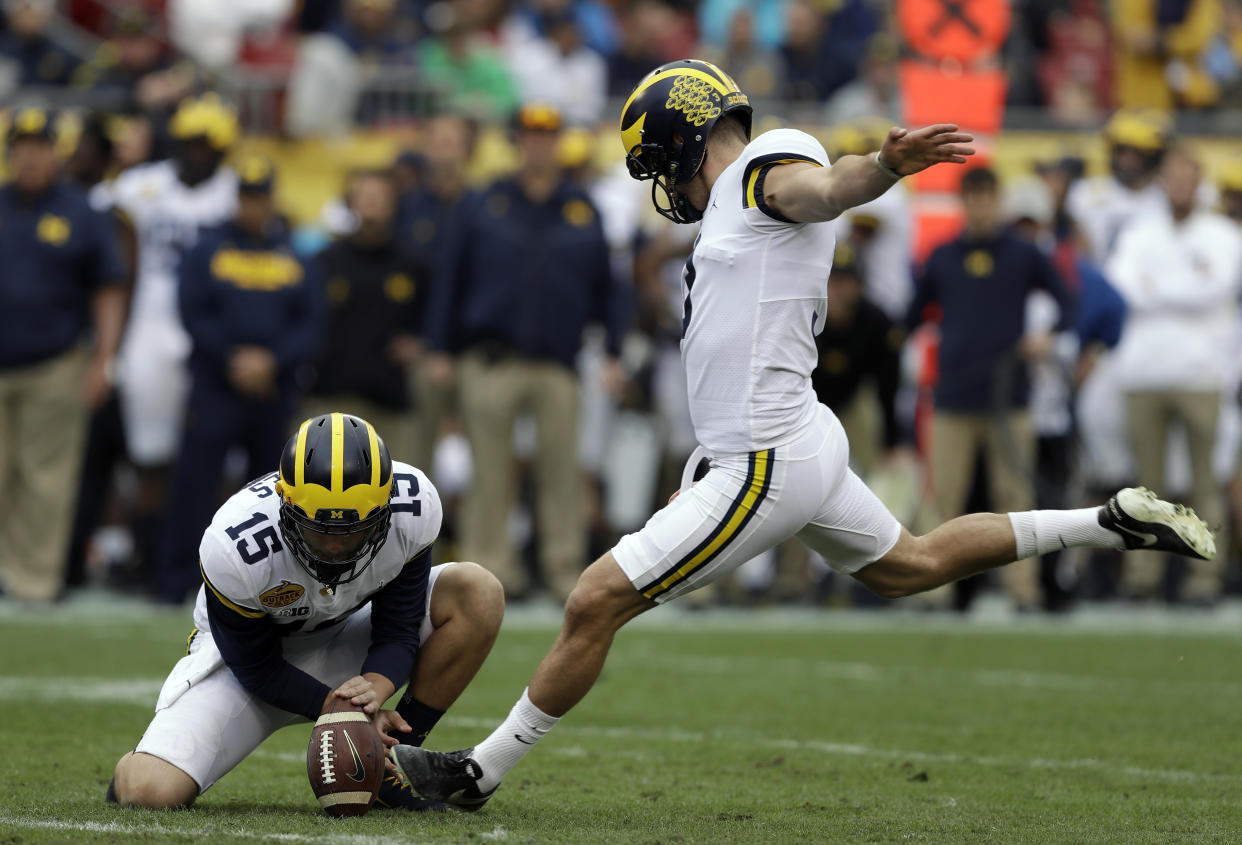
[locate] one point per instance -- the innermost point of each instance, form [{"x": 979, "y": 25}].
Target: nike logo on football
[
  {"x": 1144, "y": 539},
  {"x": 518, "y": 737},
  {"x": 359, "y": 774}
]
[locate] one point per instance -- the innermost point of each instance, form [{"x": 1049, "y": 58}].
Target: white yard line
[{"x": 205, "y": 831}]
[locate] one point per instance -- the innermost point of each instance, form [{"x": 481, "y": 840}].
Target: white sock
[
  {"x": 1040, "y": 532},
  {"x": 508, "y": 744}
]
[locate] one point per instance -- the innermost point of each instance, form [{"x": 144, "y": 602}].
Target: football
[{"x": 345, "y": 760}]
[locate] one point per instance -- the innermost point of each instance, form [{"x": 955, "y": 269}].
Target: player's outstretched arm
[{"x": 809, "y": 194}]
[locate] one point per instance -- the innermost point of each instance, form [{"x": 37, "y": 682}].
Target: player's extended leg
[
  {"x": 601, "y": 603},
  {"x": 142, "y": 780},
  {"x": 978, "y": 542}
]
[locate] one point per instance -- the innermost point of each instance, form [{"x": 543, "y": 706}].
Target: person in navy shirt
[
  {"x": 980, "y": 281},
  {"x": 60, "y": 277},
  {"x": 254, "y": 312},
  {"x": 528, "y": 270}
]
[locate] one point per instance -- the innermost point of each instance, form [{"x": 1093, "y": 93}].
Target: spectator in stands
[
  {"x": 718, "y": 18},
  {"x": 981, "y": 281},
  {"x": 822, "y": 51},
  {"x": 211, "y": 32},
  {"x": 253, "y": 312},
  {"x": 1179, "y": 269},
  {"x": 374, "y": 32},
  {"x": 169, "y": 203},
  {"x": 376, "y": 296},
  {"x": 881, "y": 230},
  {"x": 467, "y": 72},
  {"x": 132, "y": 69},
  {"x": 1159, "y": 48},
  {"x": 757, "y": 69},
  {"x": 430, "y": 218},
  {"x": 528, "y": 270},
  {"x": 875, "y": 93},
  {"x": 559, "y": 69},
  {"x": 62, "y": 276},
  {"x": 859, "y": 346},
  {"x": 29, "y": 50},
  {"x": 652, "y": 33}
]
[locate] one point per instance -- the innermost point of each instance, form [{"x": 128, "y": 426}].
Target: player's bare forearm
[{"x": 809, "y": 194}]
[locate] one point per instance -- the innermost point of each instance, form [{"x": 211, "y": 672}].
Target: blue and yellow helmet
[
  {"x": 665, "y": 124},
  {"x": 206, "y": 117},
  {"x": 334, "y": 486}
]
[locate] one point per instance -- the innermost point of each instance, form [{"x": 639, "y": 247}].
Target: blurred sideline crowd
[
  {"x": 164, "y": 325},
  {"x": 330, "y": 63}
]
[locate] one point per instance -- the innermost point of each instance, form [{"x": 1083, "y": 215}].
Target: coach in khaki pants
[
  {"x": 980, "y": 282},
  {"x": 1179, "y": 270},
  {"x": 528, "y": 269},
  {"x": 59, "y": 270}
]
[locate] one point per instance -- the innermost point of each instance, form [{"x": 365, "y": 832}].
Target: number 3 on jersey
[
  {"x": 409, "y": 482},
  {"x": 265, "y": 540}
]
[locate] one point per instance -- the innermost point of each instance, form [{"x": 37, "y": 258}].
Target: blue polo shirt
[
  {"x": 981, "y": 286},
  {"x": 237, "y": 289},
  {"x": 55, "y": 251},
  {"x": 526, "y": 277}
]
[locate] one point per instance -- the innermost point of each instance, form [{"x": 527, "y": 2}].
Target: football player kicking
[
  {"x": 317, "y": 585},
  {"x": 755, "y": 295}
]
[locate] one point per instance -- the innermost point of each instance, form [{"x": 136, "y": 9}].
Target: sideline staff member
[{"x": 59, "y": 269}]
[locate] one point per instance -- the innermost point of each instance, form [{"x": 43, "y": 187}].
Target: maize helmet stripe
[
  {"x": 337, "y": 483},
  {"x": 299, "y": 456}
]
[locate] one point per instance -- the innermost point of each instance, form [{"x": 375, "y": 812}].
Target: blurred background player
[
  {"x": 528, "y": 270},
  {"x": 254, "y": 315},
  {"x": 881, "y": 230},
  {"x": 62, "y": 293},
  {"x": 169, "y": 202},
  {"x": 377, "y": 294}
]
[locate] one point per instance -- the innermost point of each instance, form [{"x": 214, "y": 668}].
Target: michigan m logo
[{"x": 337, "y": 515}]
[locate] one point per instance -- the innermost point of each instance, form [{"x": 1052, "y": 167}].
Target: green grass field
[{"x": 826, "y": 727}]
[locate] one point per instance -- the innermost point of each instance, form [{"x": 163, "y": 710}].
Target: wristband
[{"x": 885, "y": 169}]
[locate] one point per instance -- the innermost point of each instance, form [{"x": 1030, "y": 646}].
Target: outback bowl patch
[{"x": 284, "y": 593}]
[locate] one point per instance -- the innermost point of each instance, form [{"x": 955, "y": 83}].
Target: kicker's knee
[{"x": 144, "y": 781}]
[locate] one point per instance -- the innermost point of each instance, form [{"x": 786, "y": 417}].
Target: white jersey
[
  {"x": 246, "y": 562},
  {"x": 755, "y": 291},
  {"x": 168, "y": 215}
]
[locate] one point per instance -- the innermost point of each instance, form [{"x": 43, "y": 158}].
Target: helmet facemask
[
  {"x": 652, "y": 161},
  {"x": 334, "y": 552}
]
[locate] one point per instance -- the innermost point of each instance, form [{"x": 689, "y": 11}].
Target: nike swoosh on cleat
[
  {"x": 518, "y": 737},
  {"x": 1144, "y": 538},
  {"x": 359, "y": 774}
]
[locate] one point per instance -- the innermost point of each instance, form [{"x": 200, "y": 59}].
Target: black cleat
[
  {"x": 1146, "y": 522},
  {"x": 395, "y": 794},
  {"x": 452, "y": 778}
]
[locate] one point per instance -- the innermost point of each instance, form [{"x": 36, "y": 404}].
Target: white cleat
[{"x": 1147, "y": 522}]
